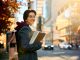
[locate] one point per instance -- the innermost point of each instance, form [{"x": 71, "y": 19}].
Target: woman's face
[{"x": 31, "y": 18}]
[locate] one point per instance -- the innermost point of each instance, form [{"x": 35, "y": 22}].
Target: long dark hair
[{"x": 26, "y": 14}]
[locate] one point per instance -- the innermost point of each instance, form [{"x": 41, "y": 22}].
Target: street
[
  {"x": 59, "y": 54},
  {"x": 56, "y": 54}
]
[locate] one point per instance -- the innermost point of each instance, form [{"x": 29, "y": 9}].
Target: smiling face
[{"x": 31, "y": 18}]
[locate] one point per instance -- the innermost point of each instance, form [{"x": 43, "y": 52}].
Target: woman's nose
[{"x": 33, "y": 18}]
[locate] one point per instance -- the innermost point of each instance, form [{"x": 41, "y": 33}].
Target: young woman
[{"x": 27, "y": 51}]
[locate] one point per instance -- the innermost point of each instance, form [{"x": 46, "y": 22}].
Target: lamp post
[
  {"x": 52, "y": 33},
  {"x": 39, "y": 24}
]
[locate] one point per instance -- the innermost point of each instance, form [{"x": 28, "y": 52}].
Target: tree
[{"x": 5, "y": 14}]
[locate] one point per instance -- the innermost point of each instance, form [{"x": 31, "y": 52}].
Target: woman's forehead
[{"x": 31, "y": 13}]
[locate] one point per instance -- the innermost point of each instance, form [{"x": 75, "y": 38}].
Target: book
[{"x": 37, "y": 36}]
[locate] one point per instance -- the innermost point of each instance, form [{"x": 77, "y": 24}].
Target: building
[{"x": 68, "y": 22}]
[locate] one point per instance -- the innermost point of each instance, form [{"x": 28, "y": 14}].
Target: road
[
  {"x": 56, "y": 54},
  {"x": 59, "y": 54}
]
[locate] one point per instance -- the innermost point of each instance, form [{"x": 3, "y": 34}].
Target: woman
[{"x": 26, "y": 51}]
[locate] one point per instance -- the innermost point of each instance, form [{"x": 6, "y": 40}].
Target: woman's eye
[{"x": 31, "y": 16}]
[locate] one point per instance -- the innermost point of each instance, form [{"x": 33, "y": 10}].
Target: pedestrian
[
  {"x": 12, "y": 46},
  {"x": 26, "y": 51}
]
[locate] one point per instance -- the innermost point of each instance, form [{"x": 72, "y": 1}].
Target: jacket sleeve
[{"x": 25, "y": 38}]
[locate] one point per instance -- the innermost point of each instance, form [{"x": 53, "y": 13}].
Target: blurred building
[{"x": 68, "y": 22}]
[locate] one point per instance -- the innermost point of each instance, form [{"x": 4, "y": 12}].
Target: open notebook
[{"x": 37, "y": 36}]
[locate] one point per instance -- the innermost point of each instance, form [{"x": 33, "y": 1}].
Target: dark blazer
[{"x": 27, "y": 51}]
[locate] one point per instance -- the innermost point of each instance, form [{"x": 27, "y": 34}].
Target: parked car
[
  {"x": 48, "y": 45},
  {"x": 75, "y": 46},
  {"x": 79, "y": 46},
  {"x": 65, "y": 45}
]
